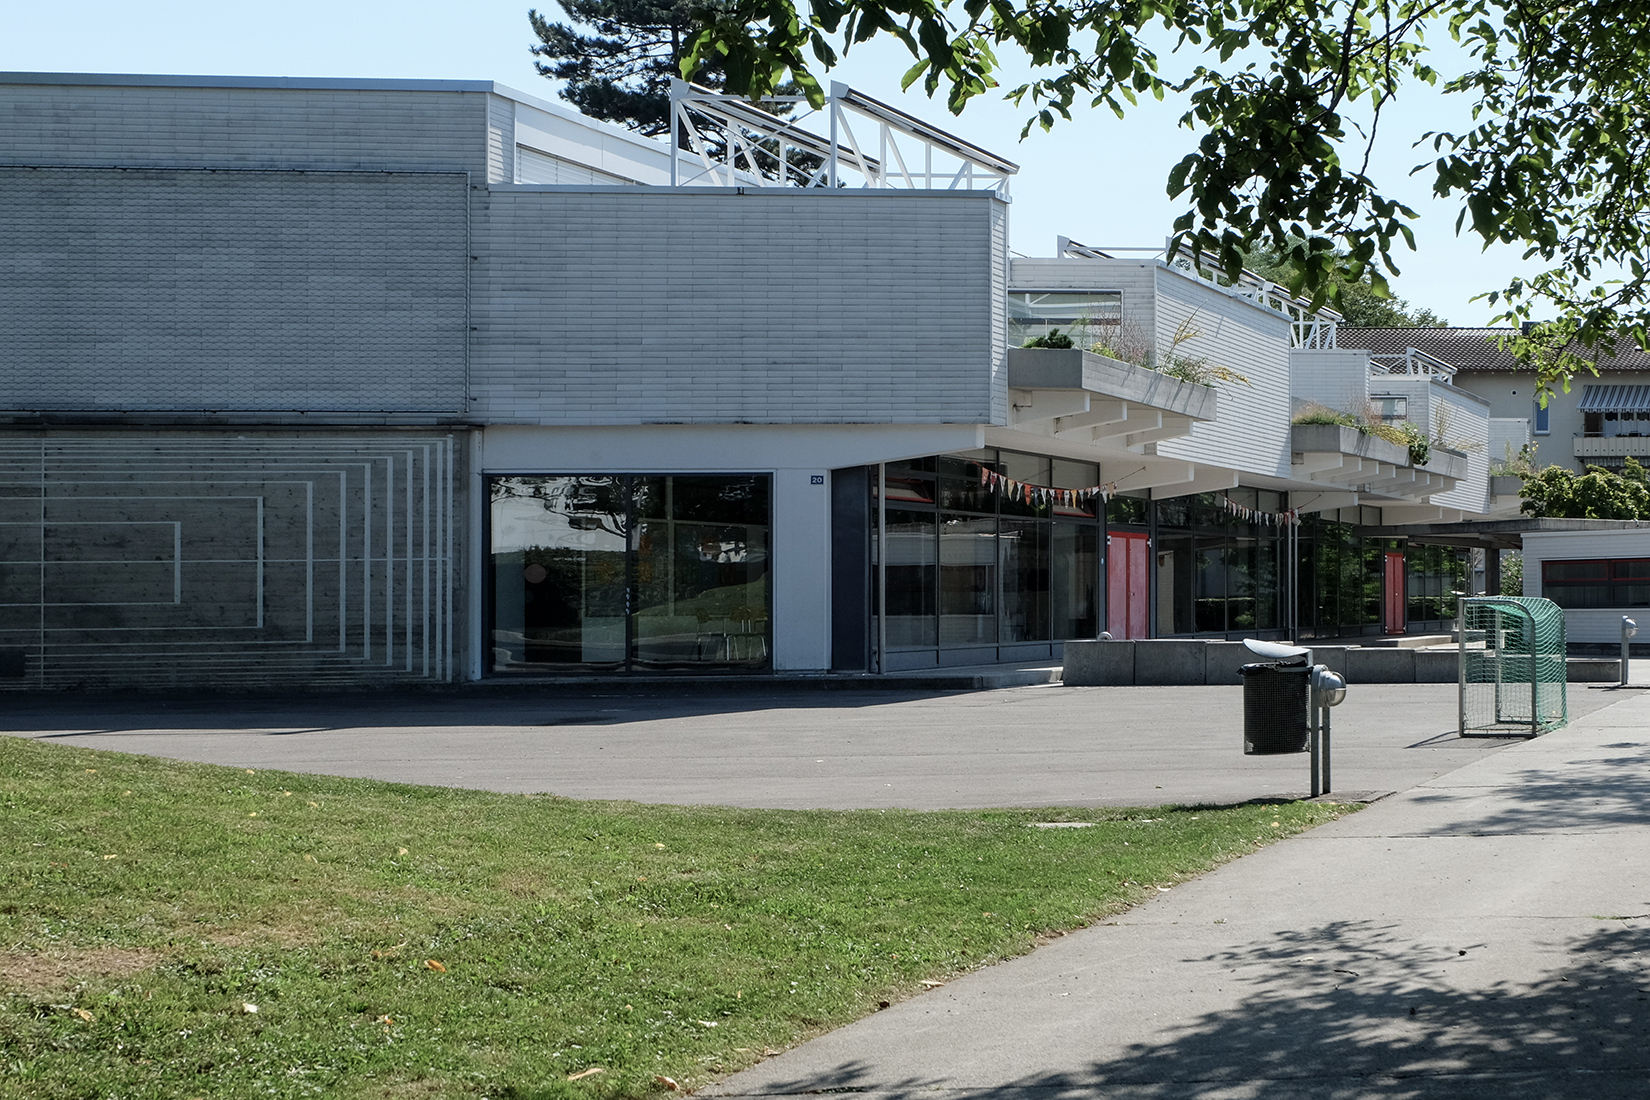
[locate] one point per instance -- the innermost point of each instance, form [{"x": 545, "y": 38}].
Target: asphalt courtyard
[{"x": 1046, "y": 745}]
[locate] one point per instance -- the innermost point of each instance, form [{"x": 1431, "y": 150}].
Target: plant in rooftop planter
[
  {"x": 1054, "y": 338},
  {"x": 1131, "y": 345},
  {"x": 1420, "y": 449},
  {"x": 1522, "y": 464}
]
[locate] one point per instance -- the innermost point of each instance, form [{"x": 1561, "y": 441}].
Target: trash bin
[{"x": 1274, "y": 708}]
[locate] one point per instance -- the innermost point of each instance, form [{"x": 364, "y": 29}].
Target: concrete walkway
[{"x": 1485, "y": 934}]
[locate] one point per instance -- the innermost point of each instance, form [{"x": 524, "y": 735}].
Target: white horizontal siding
[
  {"x": 1335, "y": 379},
  {"x": 1252, "y": 432}
]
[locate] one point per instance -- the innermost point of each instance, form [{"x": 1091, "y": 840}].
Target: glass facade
[
  {"x": 1217, "y": 573},
  {"x": 968, "y": 567},
  {"x": 629, "y": 572},
  {"x": 1342, "y": 577},
  {"x": 1436, "y": 577}
]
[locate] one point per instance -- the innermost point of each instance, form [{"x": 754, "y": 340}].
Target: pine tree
[{"x": 621, "y": 72}]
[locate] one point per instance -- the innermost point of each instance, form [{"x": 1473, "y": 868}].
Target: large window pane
[
  {"x": 1023, "y": 558},
  {"x": 1074, "y": 570},
  {"x": 968, "y": 580},
  {"x": 1086, "y": 316},
  {"x": 558, "y": 567},
  {"x": 913, "y": 577},
  {"x": 702, "y": 575},
  {"x": 676, "y": 566}
]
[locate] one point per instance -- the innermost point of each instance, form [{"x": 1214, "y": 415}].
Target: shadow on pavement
[{"x": 1350, "y": 1010}]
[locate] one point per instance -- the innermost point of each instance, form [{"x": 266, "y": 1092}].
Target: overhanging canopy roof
[{"x": 1615, "y": 399}]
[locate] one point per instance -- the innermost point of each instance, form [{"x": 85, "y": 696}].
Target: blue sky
[{"x": 1097, "y": 179}]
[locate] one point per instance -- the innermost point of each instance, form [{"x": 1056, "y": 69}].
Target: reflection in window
[
  {"x": 1088, "y": 317},
  {"x": 611, "y": 572}
]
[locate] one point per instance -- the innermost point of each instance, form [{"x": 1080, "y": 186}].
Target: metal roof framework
[
  {"x": 1310, "y": 329},
  {"x": 738, "y": 144}
]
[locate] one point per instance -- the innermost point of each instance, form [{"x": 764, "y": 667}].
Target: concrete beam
[
  {"x": 1173, "y": 427},
  {"x": 1036, "y": 406},
  {"x": 1151, "y": 474},
  {"x": 1101, "y": 410},
  {"x": 1320, "y": 502},
  {"x": 1206, "y": 481},
  {"x": 1140, "y": 420}
]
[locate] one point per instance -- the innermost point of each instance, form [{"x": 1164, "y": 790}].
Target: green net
[{"x": 1512, "y": 666}]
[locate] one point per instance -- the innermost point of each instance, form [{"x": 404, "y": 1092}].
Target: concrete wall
[
  {"x": 631, "y": 306},
  {"x": 155, "y": 558},
  {"x": 232, "y": 291}
]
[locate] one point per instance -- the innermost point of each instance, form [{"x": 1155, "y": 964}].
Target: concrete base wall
[
  {"x": 1593, "y": 670},
  {"x": 1170, "y": 661},
  {"x": 1437, "y": 666},
  {"x": 1380, "y": 666},
  {"x": 1163, "y": 662},
  {"x": 1099, "y": 664},
  {"x": 1222, "y": 661}
]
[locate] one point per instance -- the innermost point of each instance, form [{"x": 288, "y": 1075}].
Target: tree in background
[
  {"x": 1358, "y": 303},
  {"x": 1287, "y": 97},
  {"x": 1560, "y": 493},
  {"x": 621, "y": 72}
]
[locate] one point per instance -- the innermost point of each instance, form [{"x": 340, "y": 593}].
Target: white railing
[
  {"x": 1311, "y": 329},
  {"x": 1412, "y": 363},
  {"x": 730, "y": 142}
]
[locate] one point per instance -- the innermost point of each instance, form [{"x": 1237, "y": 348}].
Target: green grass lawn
[{"x": 181, "y": 930}]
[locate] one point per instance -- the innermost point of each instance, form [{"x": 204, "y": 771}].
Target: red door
[
  {"x": 1128, "y": 590},
  {"x": 1396, "y": 620}
]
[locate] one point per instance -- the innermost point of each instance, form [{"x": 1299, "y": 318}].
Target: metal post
[
  {"x": 836, "y": 108},
  {"x": 1461, "y": 667},
  {"x": 1327, "y": 787},
  {"x": 677, "y": 89},
  {"x": 1628, "y": 629},
  {"x": 1535, "y": 682},
  {"x": 1315, "y": 715},
  {"x": 882, "y": 567}
]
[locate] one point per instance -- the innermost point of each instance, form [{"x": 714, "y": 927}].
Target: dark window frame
[{"x": 1615, "y": 577}]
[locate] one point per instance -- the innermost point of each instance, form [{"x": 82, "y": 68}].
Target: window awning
[{"x": 1595, "y": 399}]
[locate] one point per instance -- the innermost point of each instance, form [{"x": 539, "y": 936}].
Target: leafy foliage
[
  {"x": 1555, "y": 159},
  {"x": 1053, "y": 338},
  {"x": 1560, "y": 493}
]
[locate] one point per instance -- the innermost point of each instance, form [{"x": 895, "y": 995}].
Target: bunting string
[
  {"x": 1287, "y": 518},
  {"x": 1026, "y": 493}
]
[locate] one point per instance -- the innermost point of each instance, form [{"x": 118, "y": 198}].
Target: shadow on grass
[{"x": 1353, "y": 1010}]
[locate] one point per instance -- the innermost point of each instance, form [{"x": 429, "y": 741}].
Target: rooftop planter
[
  {"x": 1338, "y": 439},
  {"x": 1084, "y": 371},
  {"x": 1447, "y": 463}
]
